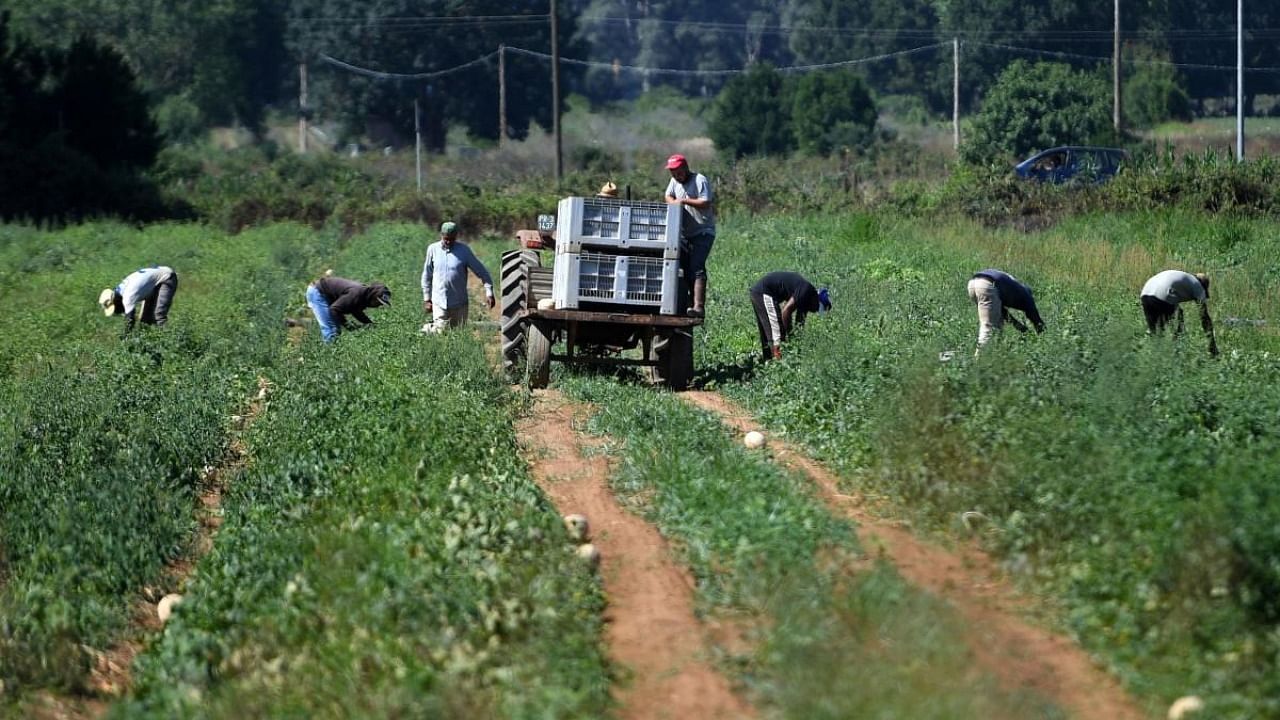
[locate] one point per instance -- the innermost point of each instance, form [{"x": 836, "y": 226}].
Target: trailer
[{"x": 616, "y": 285}]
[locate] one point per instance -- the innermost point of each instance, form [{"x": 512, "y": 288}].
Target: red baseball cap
[{"x": 676, "y": 161}]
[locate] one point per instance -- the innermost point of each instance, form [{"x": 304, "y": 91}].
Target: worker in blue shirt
[
  {"x": 444, "y": 280},
  {"x": 995, "y": 292}
]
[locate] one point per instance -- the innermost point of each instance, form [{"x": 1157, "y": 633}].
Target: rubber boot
[{"x": 699, "y": 298}]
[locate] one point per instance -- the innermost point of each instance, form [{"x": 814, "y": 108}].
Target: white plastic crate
[
  {"x": 589, "y": 277},
  {"x": 584, "y": 223}
]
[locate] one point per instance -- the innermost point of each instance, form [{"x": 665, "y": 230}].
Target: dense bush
[
  {"x": 832, "y": 110},
  {"x": 1154, "y": 93},
  {"x": 75, "y": 133},
  {"x": 751, "y": 115},
  {"x": 1035, "y": 106}
]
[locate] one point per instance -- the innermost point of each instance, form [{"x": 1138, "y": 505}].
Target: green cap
[{"x": 449, "y": 228}]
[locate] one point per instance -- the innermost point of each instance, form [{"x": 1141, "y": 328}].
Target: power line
[
  {"x": 424, "y": 20},
  {"x": 379, "y": 75},
  {"x": 720, "y": 73},
  {"x": 1132, "y": 61}
]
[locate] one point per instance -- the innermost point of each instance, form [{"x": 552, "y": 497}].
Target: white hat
[{"x": 107, "y": 300}]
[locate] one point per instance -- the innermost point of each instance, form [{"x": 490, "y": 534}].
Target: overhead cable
[{"x": 379, "y": 75}]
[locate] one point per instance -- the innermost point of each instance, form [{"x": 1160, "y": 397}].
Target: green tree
[
  {"x": 827, "y": 31},
  {"x": 1154, "y": 93},
  {"x": 222, "y": 58},
  {"x": 395, "y": 37},
  {"x": 1037, "y": 106},
  {"x": 751, "y": 115},
  {"x": 831, "y": 110}
]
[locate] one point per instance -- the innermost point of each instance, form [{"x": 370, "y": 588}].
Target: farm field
[{"x": 383, "y": 550}]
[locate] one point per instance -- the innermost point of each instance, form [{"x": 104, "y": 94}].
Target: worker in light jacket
[
  {"x": 444, "y": 281},
  {"x": 332, "y": 299},
  {"x": 995, "y": 292},
  {"x": 1162, "y": 297},
  {"x": 152, "y": 288}
]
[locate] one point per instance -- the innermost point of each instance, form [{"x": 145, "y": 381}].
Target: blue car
[{"x": 1072, "y": 162}]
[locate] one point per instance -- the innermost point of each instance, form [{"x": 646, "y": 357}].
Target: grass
[
  {"x": 385, "y": 552},
  {"x": 1123, "y": 475},
  {"x": 837, "y": 635}
]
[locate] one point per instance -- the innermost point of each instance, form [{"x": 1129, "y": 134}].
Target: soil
[
  {"x": 1019, "y": 654},
  {"x": 651, "y": 629}
]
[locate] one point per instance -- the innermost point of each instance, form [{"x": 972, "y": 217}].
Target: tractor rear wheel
[
  {"x": 516, "y": 267},
  {"x": 673, "y": 350}
]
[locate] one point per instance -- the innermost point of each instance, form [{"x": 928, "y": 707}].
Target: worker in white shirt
[{"x": 152, "y": 287}]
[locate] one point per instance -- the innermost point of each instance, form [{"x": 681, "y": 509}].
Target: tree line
[{"x": 229, "y": 61}]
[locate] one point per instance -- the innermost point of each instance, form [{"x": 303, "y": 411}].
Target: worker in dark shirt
[
  {"x": 995, "y": 292},
  {"x": 782, "y": 300},
  {"x": 332, "y": 299}
]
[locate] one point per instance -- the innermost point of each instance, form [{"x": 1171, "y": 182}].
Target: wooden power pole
[
  {"x": 1117, "y": 104},
  {"x": 502, "y": 95},
  {"x": 555, "y": 92},
  {"x": 302, "y": 108},
  {"x": 955, "y": 92}
]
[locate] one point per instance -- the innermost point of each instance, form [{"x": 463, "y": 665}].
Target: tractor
[{"x": 615, "y": 284}]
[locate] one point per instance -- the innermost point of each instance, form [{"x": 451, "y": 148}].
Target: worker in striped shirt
[
  {"x": 782, "y": 301},
  {"x": 152, "y": 288}
]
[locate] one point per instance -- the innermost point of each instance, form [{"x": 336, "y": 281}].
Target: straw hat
[
  {"x": 608, "y": 190},
  {"x": 107, "y": 301}
]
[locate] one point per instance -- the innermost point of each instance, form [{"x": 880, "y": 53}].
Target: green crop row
[
  {"x": 104, "y": 443},
  {"x": 385, "y": 554},
  {"x": 1128, "y": 478},
  {"x": 834, "y": 634}
]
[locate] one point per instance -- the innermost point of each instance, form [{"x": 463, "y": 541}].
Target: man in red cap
[{"x": 693, "y": 193}]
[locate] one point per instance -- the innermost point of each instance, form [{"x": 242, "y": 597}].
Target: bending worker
[
  {"x": 1163, "y": 294},
  {"x": 995, "y": 292},
  {"x": 152, "y": 287},
  {"x": 444, "y": 280},
  {"x": 692, "y": 192},
  {"x": 332, "y": 299},
  {"x": 782, "y": 301}
]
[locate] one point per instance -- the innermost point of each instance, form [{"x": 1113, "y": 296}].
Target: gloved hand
[
  {"x": 426, "y": 306},
  {"x": 490, "y": 299},
  {"x": 777, "y": 352}
]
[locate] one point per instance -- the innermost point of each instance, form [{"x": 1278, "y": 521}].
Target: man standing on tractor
[
  {"x": 1162, "y": 297},
  {"x": 995, "y": 292},
  {"x": 152, "y": 287},
  {"x": 782, "y": 301},
  {"x": 693, "y": 193},
  {"x": 444, "y": 281}
]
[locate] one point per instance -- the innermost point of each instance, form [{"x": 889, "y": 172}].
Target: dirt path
[
  {"x": 1019, "y": 654},
  {"x": 650, "y": 626}
]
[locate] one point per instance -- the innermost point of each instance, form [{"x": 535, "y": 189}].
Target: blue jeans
[
  {"x": 320, "y": 308},
  {"x": 699, "y": 251}
]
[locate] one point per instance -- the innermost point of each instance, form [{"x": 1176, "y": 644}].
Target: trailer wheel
[
  {"x": 674, "y": 353},
  {"x": 538, "y": 351},
  {"x": 516, "y": 266}
]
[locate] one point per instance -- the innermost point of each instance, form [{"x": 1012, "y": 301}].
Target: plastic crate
[
  {"x": 589, "y": 277},
  {"x": 604, "y": 223}
]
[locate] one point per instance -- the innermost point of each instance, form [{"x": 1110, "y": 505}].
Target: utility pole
[
  {"x": 502, "y": 95},
  {"x": 1117, "y": 117},
  {"x": 955, "y": 92},
  {"x": 555, "y": 92},
  {"x": 302, "y": 108},
  {"x": 417, "y": 138},
  {"x": 1239, "y": 80}
]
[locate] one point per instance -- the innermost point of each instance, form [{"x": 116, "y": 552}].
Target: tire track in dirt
[
  {"x": 111, "y": 675},
  {"x": 650, "y": 626},
  {"x": 1019, "y": 654}
]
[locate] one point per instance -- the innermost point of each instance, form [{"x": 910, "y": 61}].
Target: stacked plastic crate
[{"x": 617, "y": 253}]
